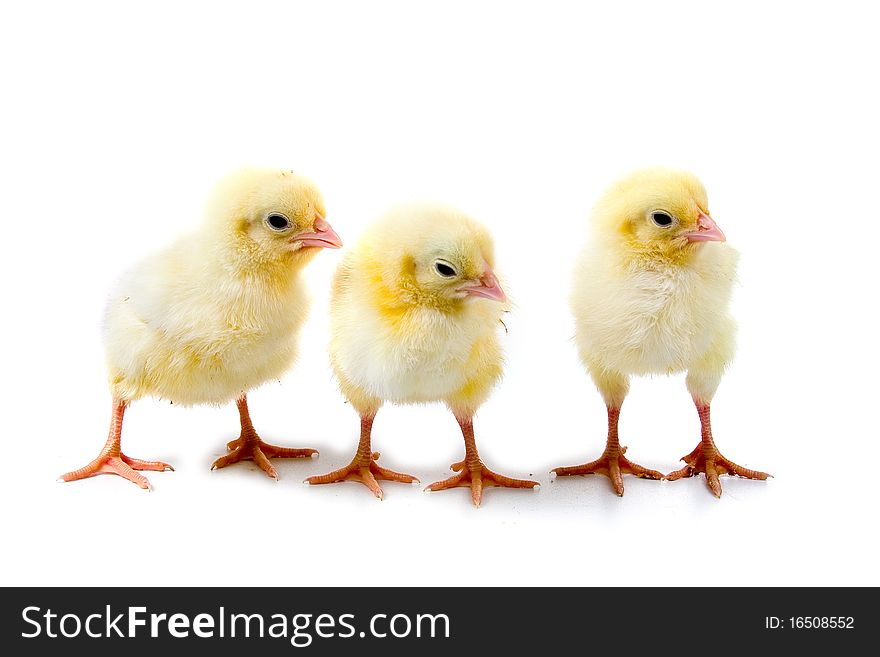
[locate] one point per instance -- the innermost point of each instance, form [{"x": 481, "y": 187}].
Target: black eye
[
  {"x": 278, "y": 221},
  {"x": 661, "y": 219},
  {"x": 444, "y": 269}
]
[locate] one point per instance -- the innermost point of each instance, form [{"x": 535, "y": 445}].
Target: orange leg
[
  {"x": 111, "y": 460},
  {"x": 249, "y": 446},
  {"x": 707, "y": 459},
  {"x": 472, "y": 473},
  {"x": 612, "y": 463},
  {"x": 363, "y": 467}
]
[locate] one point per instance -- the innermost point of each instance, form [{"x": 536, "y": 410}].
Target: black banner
[{"x": 319, "y": 621}]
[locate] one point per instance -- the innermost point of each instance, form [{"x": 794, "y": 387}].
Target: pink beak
[
  {"x": 324, "y": 236},
  {"x": 488, "y": 287},
  {"x": 707, "y": 230}
]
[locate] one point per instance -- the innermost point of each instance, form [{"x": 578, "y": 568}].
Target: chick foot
[
  {"x": 477, "y": 476},
  {"x": 471, "y": 470},
  {"x": 111, "y": 460},
  {"x": 707, "y": 459},
  {"x": 366, "y": 471},
  {"x": 363, "y": 466},
  {"x": 250, "y": 447},
  {"x": 613, "y": 464},
  {"x": 121, "y": 465}
]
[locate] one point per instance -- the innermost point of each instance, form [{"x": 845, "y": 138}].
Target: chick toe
[
  {"x": 365, "y": 471},
  {"x": 612, "y": 463},
  {"x": 477, "y": 476},
  {"x": 250, "y": 447},
  {"x": 111, "y": 460},
  {"x": 707, "y": 459}
]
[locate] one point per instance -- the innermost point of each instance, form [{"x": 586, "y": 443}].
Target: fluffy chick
[
  {"x": 415, "y": 314},
  {"x": 651, "y": 295},
  {"x": 217, "y": 313}
]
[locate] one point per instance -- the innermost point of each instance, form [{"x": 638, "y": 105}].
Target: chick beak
[
  {"x": 707, "y": 230},
  {"x": 487, "y": 286},
  {"x": 324, "y": 236}
]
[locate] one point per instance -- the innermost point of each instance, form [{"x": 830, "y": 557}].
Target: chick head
[
  {"x": 657, "y": 211},
  {"x": 436, "y": 256},
  {"x": 271, "y": 215}
]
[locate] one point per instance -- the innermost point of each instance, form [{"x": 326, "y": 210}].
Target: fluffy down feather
[
  {"x": 415, "y": 315},
  {"x": 217, "y": 313},
  {"x": 400, "y": 331},
  {"x": 646, "y": 301},
  {"x": 651, "y": 295}
]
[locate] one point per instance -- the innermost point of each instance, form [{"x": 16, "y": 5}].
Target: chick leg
[
  {"x": 612, "y": 463},
  {"x": 363, "y": 466},
  {"x": 706, "y": 458},
  {"x": 111, "y": 460},
  {"x": 473, "y": 473},
  {"x": 249, "y": 446}
]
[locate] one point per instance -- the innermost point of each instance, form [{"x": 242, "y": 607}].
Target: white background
[{"x": 117, "y": 120}]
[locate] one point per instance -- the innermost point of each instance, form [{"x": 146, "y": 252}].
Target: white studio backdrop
[{"x": 117, "y": 119}]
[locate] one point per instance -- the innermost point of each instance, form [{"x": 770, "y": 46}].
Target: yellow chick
[
  {"x": 415, "y": 313},
  {"x": 216, "y": 314},
  {"x": 651, "y": 295}
]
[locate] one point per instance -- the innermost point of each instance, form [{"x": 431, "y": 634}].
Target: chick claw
[
  {"x": 476, "y": 476},
  {"x": 121, "y": 465},
  {"x": 254, "y": 449},
  {"x": 365, "y": 472},
  {"x": 614, "y": 466},
  {"x": 710, "y": 461}
]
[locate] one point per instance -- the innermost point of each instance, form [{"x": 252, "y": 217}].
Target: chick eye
[
  {"x": 662, "y": 219},
  {"x": 444, "y": 269},
  {"x": 278, "y": 221}
]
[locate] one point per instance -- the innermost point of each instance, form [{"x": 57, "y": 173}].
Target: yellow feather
[
  {"x": 645, "y": 299},
  {"x": 400, "y": 331},
  {"x": 217, "y": 313}
]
